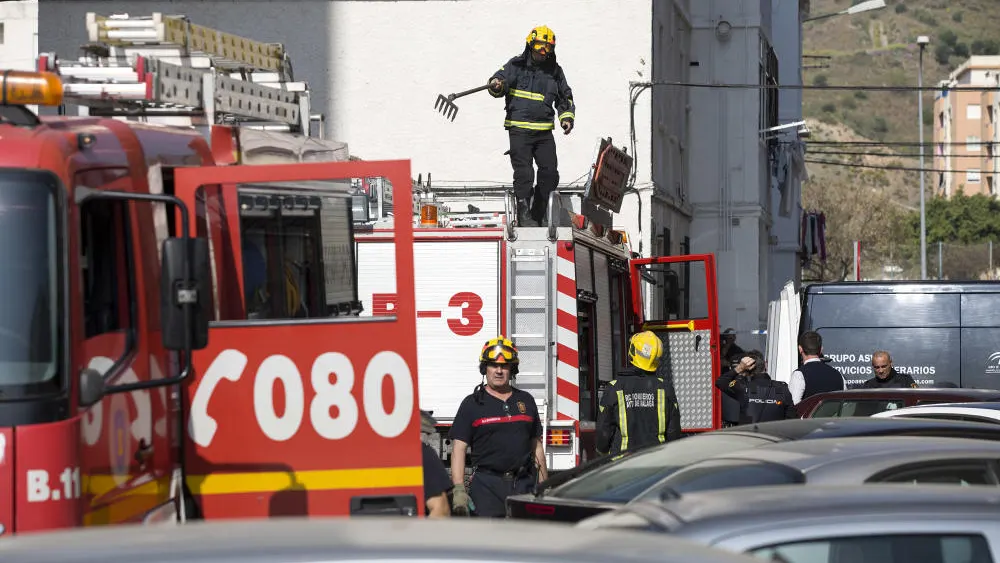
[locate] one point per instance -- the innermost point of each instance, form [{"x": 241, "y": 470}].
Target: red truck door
[
  {"x": 298, "y": 406},
  {"x": 675, "y": 297}
]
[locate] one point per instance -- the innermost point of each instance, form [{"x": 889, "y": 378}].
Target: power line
[
  {"x": 896, "y": 155},
  {"x": 890, "y": 167},
  {"x": 892, "y": 143},
  {"x": 856, "y": 88}
]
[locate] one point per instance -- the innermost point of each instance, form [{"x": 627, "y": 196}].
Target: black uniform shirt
[{"x": 499, "y": 432}]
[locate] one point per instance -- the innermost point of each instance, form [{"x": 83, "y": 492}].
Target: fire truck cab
[{"x": 181, "y": 335}]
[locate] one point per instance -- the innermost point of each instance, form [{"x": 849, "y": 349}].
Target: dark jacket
[
  {"x": 531, "y": 89},
  {"x": 730, "y": 406},
  {"x": 637, "y": 409},
  {"x": 821, "y": 377},
  {"x": 761, "y": 398},
  {"x": 895, "y": 380}
]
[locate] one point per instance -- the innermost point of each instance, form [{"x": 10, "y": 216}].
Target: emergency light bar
[{"x": 24, "y": 88}]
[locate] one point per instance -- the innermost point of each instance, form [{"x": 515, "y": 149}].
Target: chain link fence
[{"x": 945, "y": 261}]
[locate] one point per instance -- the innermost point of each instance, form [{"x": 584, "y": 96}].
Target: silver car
[
  {"x": 849, "y": 461},
  {"x": 853, "y": 524},
  {"x": 370, "y": 539}
]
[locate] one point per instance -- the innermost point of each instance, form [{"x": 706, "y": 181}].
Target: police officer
[
  {"x": 761, "y": 398},
  {"x": 531, "y": 84},
  {"x": 501, "y": 424},
  {"x": 638, "y": 408},
  {"x": 886, "y": 376}
]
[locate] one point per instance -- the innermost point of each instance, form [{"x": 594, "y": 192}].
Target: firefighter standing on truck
[
  {"x": 761, "y": 398},
  {"x": 501, "y": 424},
  {"x": 638, "y": 408},
  {"x": 531, "y": 84}
]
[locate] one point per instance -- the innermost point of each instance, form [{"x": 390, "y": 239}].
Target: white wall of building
[{"x": 19, "y": 38}]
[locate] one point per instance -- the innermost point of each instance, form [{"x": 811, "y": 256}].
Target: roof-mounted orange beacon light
[{"x": 22, "y": 88}]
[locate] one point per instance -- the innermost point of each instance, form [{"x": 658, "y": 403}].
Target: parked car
[
  {"x": 611, "y": 483},
  {"x": 874, "y": 523},
  {"x": 970, "y": 412},
  {"x": 382, "y": 539},
  {"x": 866, "y": 402},
  {"x": 850, "y": 461}
]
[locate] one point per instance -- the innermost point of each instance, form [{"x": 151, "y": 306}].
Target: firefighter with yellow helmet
[
  {"x": 638, "y": 408},
  {"x": 531, "y": 84},
  {"x": 501, "y": 425}
]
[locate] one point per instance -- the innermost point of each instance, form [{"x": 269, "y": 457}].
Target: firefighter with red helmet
[
  {"x": 501, "y": 425},
  {"x": 531, "y": 84},
  {"x": 638, "y": 408}
]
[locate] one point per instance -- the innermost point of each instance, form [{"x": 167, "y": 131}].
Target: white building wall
[
  {"x": 19, "y": 35},
  {"x": 728, "y": 161}
]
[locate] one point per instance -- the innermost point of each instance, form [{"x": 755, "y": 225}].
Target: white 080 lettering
[{"x": 230, "y": 364}]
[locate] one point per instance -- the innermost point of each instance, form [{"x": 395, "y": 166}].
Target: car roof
[
  {"x": 811, "y": 428},
  {"x": 984, "y": 394},
  {"x": 985, "y": 405},
  {"x": 331, "y": 539},
  {"x": 807, "y": 455},
  {"x": 754, "y": 504}
]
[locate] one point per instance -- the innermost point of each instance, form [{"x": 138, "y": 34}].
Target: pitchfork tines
[{"x": 446, "y": 104}]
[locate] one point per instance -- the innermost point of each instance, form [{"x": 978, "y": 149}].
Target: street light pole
[
  {"x": 922, "y": 41},
  {"x": 867, "y": 6}
]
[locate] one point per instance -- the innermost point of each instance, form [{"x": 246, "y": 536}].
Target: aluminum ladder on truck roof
[{"x": 165, "y": 66}]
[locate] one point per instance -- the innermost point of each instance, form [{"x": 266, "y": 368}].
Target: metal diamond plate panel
[{"x": 689, "y": 358}]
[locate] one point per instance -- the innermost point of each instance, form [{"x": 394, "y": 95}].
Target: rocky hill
[{"x": 879, "y": 48}]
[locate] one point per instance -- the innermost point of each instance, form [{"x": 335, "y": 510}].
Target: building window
[
  {"x": 972, "y": 176},
  {"x": 972, "y": 144},
  {"x": 941, "y": 119},
  {"x": 973, "y": 111}
]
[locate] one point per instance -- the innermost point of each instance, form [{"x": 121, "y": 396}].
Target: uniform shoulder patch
[
  {"x": 732, "y": 383},
  {"x": 521, "y": 408}
]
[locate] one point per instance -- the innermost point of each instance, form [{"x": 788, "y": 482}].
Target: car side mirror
[
  {"x": 184, "y": 293},
  {"x": 91, "y": 387}
]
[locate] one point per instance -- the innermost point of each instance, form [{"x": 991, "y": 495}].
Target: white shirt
[{"x": 797, "y": 383}]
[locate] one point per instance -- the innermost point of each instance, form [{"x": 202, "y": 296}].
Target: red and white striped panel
[{"x": 568, "y": 366}]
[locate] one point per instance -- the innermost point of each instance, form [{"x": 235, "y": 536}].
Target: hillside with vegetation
[{"x": 872, "y": 136}]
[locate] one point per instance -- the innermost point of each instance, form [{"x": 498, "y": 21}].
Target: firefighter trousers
[
  {"x": 489, "y": 490},
  {"x": 527, "y": 146}
]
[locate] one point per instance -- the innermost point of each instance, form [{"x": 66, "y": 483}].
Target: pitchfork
[{"x": 445, "y": 104}]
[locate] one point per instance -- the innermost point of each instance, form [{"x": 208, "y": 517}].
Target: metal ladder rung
[
  {"x": 527, "y": 336},
  {"x": 528, "y": 297},
  {"x": 528, "y": 259}
]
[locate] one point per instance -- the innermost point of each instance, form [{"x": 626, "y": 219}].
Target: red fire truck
[
  {"x": 180, "y": 335},
  {"x": 569, "y": 295}
]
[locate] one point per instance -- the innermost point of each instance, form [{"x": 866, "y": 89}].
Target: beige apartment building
[{"x": 966, "y": 133}]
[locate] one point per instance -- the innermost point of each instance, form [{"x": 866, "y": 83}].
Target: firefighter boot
[
  {"x": 524, "y": 214},
  {"x": 539, "y": 211}
]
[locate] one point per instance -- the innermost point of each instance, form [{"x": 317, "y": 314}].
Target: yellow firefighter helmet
[
  {"x": 542, "y": 39},
  {"x": 645, "y": 350}
]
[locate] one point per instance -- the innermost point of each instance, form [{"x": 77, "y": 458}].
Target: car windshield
[
  {"x": 30, "y": 310},
  {"x": 854, "y": 407},
  {"x": 620, "y": 482},
  {"x": 723, "y": 474}
]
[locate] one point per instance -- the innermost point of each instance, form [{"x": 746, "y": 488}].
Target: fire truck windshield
[{"x": 30, "y": 265}]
